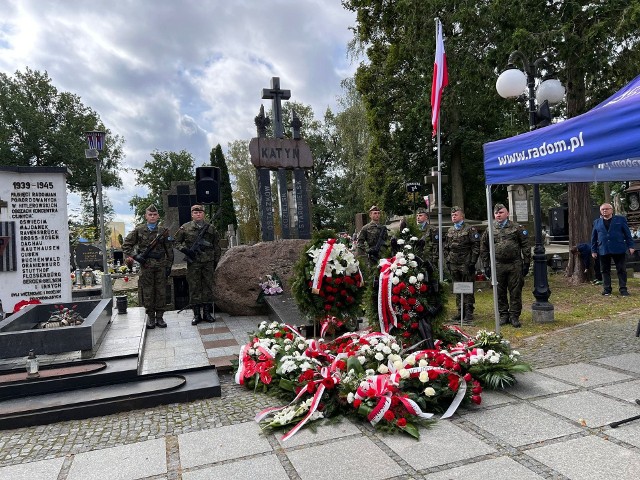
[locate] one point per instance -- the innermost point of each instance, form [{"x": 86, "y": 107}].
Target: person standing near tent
[
  {"x": 513, "y": 256},
  {"x": 610, "y": 240},
  {"x": 461, "y": 248}
]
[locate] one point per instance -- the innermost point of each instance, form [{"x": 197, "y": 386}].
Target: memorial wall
[{"x": 34, "y": 235}]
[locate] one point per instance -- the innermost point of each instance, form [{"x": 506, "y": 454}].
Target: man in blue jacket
[{"x": 610, "y": 240}]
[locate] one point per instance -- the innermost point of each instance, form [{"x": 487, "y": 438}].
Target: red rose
[
  {"x": 412, "y": 301},
  {"x": 350, "y": 299},
  {"x": 406, "y": 317},
  {"x": 406, "y": 307},
  {"x": 311, "y": 387},
  {"x": 476, "y": 390},
  {"x": 395, "y": 290},
  {"x": 328, "y": 383},
  {"x": 412, "y": 290},
  {"x": 414, "y": 326},
  {"x": 406, "y": 334},
  {"x": 423, "y": 288},
  {"x": 348, "y": 280},
  {"x": 341, "y": 364},
  {"x": 395, "y": 298},
  {"x": 289, "y": 336},
  {"x": 401, "y": 422},
  {"x": 402, "y": 285},
  {"x": 419, "y": 308},
  {"x": 330, "y": 298},
  {"x": 337, "y": 281},
  {"x": 277, "y": 334},
  {"x": 329, "y": 279},
  {"x": 357, "y": 402},
  {"x": 344, "y": 293},
  {"x": 327, "y": 307},
  {"x": 467, "y": 377},
  {"x": 389, "y": 416},
  {"x": 432, "y": 374},
  {"x": 476, "y": 399}
]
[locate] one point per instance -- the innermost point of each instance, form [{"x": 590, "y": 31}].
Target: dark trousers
[{"x": 619, "y": 259}]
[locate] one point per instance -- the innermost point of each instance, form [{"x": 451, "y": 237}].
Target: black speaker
[{"x": 208, "y": 185}]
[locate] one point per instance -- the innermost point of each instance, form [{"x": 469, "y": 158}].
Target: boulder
[{"x": 242, "y": 268}]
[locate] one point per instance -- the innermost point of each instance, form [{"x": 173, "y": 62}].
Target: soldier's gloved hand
[
  {"x": 167, "y": 271},
  {"x": 471, "y": 268},
  {"x": 420, "y": 244},
  {"x": 525, "y": 269},
  {"x": 394, "y": 244},
  {"x": 487, "y": 272}
]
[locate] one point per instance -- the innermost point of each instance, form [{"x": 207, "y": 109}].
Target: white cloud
[{"x": 179, "y": 74}]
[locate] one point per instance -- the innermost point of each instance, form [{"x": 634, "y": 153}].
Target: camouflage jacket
[
  {"x": 369, "y": 236},
  {"x": 209, "y": 245},
  {"x": 461, "y": 247},
  {"x": 141, "y": 237},
  {"x": 430, "y": 238},
  {"x": 511, "y": 244}
]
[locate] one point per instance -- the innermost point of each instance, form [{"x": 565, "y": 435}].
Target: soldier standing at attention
[
  {"x": 372, "y": 238},
  {"x": 430, "y": 237},
  {"x": 461, "y": 249},
  {"x": 198, "y": 240},
  {"x": 155, "y": 268},
  {"x": 513, "y": 255}
]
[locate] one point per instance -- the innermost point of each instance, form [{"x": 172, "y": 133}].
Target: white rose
[
  {"x": 411, "y": 256},
  {"x": 423, "y": 363},
  {"x": 362, "y": 359},
  {"x": 404, "y": 373},
  {"x": 411, "y": 360},
  {"x": 494, "y": 359},
  {"x": 412, "y": 279},
  {"x": 397, "y": 364},
  {"x": 413, "y": 264},
  {"x": 420, "y": 277},
  {"x": 429, "y": 392},
  {"x": 405, "y": 269},
  {"x": 350, "y": 397},
  {"x": 386, "y": 350},
  {"x": 395, "y": 280},
  {"x": 383, "y": 369},
  {"x": 400, "y": 241},
  {"x": 424, "y": 377},
  {"x": 379, "y": 356},
  {"x": 515, "y": 353}
]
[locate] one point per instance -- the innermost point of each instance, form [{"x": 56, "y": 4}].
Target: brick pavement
[{"x": 597, "y": 363}]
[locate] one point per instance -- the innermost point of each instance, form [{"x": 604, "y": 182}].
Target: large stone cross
[{"x": 276, "y": 95}]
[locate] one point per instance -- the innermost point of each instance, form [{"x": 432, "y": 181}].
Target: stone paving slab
[
  {"x": 325, "y": 431},
  {"x": 224, "y": 443},
  {"x": 532, "y": 384},
  {"x": 502, "y": 468},
  {"x": 126, "y": 462},
  {"x": 627, "y": 432},
  {"x": 521, "y": 424},
  {"x": 590, "y": 457},
  {"x": 629, "y": 391},
  {"x": 584, "y": 375},
  {"x": 265, "y": 468},
  {"x": 42, "y": 470},
  {"x": 588, "y": 407},
  {"x": 441, "y": 444},
  {"x": 627, "y": 361},
  {"x": 344, "y": 458}
]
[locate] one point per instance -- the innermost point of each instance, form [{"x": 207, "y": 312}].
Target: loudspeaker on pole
[{"x": 208, "y": 185}]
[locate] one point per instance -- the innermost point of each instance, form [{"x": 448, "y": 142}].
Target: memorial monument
[{"x": 35, "y": 257}]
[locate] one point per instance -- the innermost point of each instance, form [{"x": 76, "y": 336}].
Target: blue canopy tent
[{"x": 600, "y": 145}]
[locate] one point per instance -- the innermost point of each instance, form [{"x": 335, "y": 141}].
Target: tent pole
[{"x": 492, "y": 259}]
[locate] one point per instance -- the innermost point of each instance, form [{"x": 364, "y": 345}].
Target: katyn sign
[{"x": 280, "y": 153}]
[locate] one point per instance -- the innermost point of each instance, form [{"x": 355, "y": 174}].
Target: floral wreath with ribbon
[{"x": 328, "y": 283}]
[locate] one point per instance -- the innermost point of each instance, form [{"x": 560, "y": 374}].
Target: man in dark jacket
[{"x": 610, "y": 240}]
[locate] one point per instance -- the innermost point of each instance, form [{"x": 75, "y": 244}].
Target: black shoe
[
  {"x": 160, "y": 322},
  {"x": 151, "y": 324},
  {"x": 207, "y": 317},
  {"x": 197, "y": 316},
  {"x": 606, "y": 294},
  {"x": 624, "y": 294},
  {"x": 504, "y": 321},
  {"x": 515, "y": 322}
]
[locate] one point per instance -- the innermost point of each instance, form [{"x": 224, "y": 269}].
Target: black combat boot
[
  {"x": 515, "y": 321},
  {"x": 208, "y": 310},
  {"x": 468, "y": 317},
  {"x": 160, "y": 321},
  {"x": 151, "y": 320},
  {"x": 504, "y": 320},
  {"x": 197, "y": 317}
]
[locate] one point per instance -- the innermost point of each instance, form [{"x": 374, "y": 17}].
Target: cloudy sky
[{"x": 179, "y": 74}]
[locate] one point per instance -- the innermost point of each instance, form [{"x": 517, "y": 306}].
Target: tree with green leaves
[
  {"x": 227, "y": 214},
  {"x": 157, "y": 174},
  {"x": 244, "y": 190}
]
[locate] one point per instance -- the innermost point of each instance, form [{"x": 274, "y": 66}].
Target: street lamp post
[
  {"x": 95, "y": 141},
  {"x": 512, "y": 84}
]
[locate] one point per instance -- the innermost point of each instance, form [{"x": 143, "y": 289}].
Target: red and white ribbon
[
  {"x": 462, "y": 386},
  {"x": 321, "y": 265},
  {"x": 386, "y": 315},
  {"x": 241, "y": 364}
]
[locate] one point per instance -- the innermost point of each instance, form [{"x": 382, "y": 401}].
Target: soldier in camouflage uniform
[
  {"x": 429, "y": 237},
  {"x": 155, "y": 269},
  {"x": 201, "y": 262},
  {"x": 513, "y": 256},
  {"x": 372, "y": 238},
  {"x": 461, "y": 248}
]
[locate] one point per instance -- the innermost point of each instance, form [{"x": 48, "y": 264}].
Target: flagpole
[{"x": 440, "y": 253}]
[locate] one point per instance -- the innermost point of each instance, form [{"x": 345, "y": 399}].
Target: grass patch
[{"x": 573, "y": 304}]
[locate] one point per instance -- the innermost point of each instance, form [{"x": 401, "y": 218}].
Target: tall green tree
[
  {"x": 227, "y": 213},
  {"x": 244, "y": 190},
  {"x": 41, "y": 126},
  {"x": 157, "y": 174}
]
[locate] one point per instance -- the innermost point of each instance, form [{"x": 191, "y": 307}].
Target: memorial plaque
[
  {"x": 302, "y": 204},
  {"x": 88, "y": 256},
  {"x": 266, "y": 204},
  {"x": 283, "y": 195},
  {"x": 33, "y": 220},
  {"x": 280, "y": 153}
]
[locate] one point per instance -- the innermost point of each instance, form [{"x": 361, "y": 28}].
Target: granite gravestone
[
  {"x": 88, "y": 256},
  {"x": 35, "y": 254}
]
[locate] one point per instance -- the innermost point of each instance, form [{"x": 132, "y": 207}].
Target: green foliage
[
  {"x": 244, "y": 191},
  {"x": 157, "y": 174},
  {"x": 227, "y": 214},
  {"x": 40, "y": 126}
]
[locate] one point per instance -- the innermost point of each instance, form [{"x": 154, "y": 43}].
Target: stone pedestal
[{"x": 542, "y": 312}]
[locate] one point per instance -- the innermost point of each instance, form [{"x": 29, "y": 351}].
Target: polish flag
[{"x": 440, "y": 78}]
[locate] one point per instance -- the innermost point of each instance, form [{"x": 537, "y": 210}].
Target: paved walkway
[{"x": 553, "y": 424}]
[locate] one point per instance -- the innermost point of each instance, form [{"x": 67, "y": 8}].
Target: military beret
[
  {"x": 374, "y": 208},
  {"x": 498, "y": 206},
  {"x": 456, "y": 208},
  {"x": 421, "y": 210},
  {"x": 197, "y": 208},
  {"x": 152, "y": 208}
]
